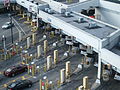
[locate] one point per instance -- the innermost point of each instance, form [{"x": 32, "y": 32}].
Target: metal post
[
  {"x": 46, "y": 84},
  {"x": 4, "y": 39},
  {"x": 85, "y": 82},
  {"x": 20, "y": 36},
  {"x": 62, "y": 76},
  {"x": 99, "y": 68},
  {"x": 55, "y": 56},
  {"x": 33, "y": 70},
  {"x": 4, "y": 46},
  {"x": 49, "y": 62},
  {"x": 28, "y": 69},
  {"x": 39, "y": 50},
  {"x": 81, "y": 88},
  {"x": 67, "y": 69},
  {"x": 33, "y": 38},
  {"x": 40, "y": 84},
  {"x": 45, "y": 47},
  {"x": 28, "y": 42}
]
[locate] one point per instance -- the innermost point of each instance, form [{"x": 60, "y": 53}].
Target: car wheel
[
  {"x": 13, "y": 75},
  {"x": 30, "y": 85}
]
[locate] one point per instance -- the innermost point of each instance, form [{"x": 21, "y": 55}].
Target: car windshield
[
  {"x": 13, "y": 84},
  {"x": 7, "y": 23},
  {"x": 8, "y": 70}
]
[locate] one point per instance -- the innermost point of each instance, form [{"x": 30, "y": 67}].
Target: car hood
[{"x": 4, "y": 26}]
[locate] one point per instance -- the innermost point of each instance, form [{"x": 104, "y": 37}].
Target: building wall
[
  {"x": 110, "y": 12},
  {"x": 2, "y": 1},
  {"x": 57, "y": 6},
  {"x": 84, "y": 5},
  {"x": 111, "y": 40},
  {"x": 111, "y": 58}
]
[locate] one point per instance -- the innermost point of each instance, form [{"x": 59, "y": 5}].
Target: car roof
[
  {"x": 15, "y": 66},
  {"x": 7, "y": 23}
]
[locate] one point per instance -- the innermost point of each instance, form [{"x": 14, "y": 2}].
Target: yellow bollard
[
  {"x": 20, "y": 12},
  {"x": 55, "y": 57},
  {"x": 17, "y": 49},
  {"x": 25, "y": 47},
  {"x": 40, "y": 84},
  {"x": 46, "y": 84},
  {"x": 31, "y": 57},
  {"x": 2, "y": 56},
  {"x": 20, "y": 49},
  {"x": 81, "y": 88},
  {"x": 26, "y": 58},
  {"x": 13, "y": 7},
  {"x": 58, "y": 83},
  {"x": 68, "y": 69},
  {"x": 28, "y": 69},
  {"x": 28, "y": 18},
  {"x": 45, "y": 47},
  {"x": 49, "y": 62},
  {"x": 28, "y": 42},
  {"x": 5, "y": 57},
  {"x": 62, "y": 76},
  {"x": 52, "y": 34},
  {"x": 85, "y": 82},
  {"x": 33, "y": 70},
  {"x": 34, "y": 38},
  {"x": 23, "y": 15},
  {"x": 39, "y": 47},
  {"x": 38, "y": 69},
  {"x": 32, "y": 23},
  {"x": 45, "y": 67}
]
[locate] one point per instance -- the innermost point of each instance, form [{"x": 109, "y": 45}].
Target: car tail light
[{"x": 10, "y": 89}]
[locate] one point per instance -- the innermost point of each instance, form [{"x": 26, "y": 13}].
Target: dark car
[
  {"x": 7, "y": 25},
  {"x": 14, "y": 70},
  {"x": 19, "y": 85}
]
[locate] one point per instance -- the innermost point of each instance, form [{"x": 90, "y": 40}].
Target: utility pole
[
  {"x": 10, "y": 17},
  {"x": 3, "y": 40},
  {"x": 4, "y": 45},
  {"x": 11, "y": 27}
]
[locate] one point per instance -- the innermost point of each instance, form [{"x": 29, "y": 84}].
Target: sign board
[
  {"x": 89, "y": 50},
  {"x": 30, "y": 8}
]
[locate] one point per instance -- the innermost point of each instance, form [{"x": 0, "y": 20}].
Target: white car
[{"x": 7, "y": 25}]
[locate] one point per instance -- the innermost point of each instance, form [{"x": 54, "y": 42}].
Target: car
[
  {"x": 14, "y": 70},
  {"x": 7, "y": 25},
  {"x": 19, "y": 85}
]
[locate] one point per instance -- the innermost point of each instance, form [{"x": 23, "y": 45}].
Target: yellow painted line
[
  {"x": 28, "y": 77},
  {"x": 20, "y": 63},
  {"x": 23, "y": 78},
  {"x": 1, "y": 72},
  {"x": 26, "y": 22},
  {"x": 5, "y": 85},
  {"x": 13, "y": 80}
]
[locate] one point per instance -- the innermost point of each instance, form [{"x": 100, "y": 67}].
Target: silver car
[{"x": 7, "y": 25}]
